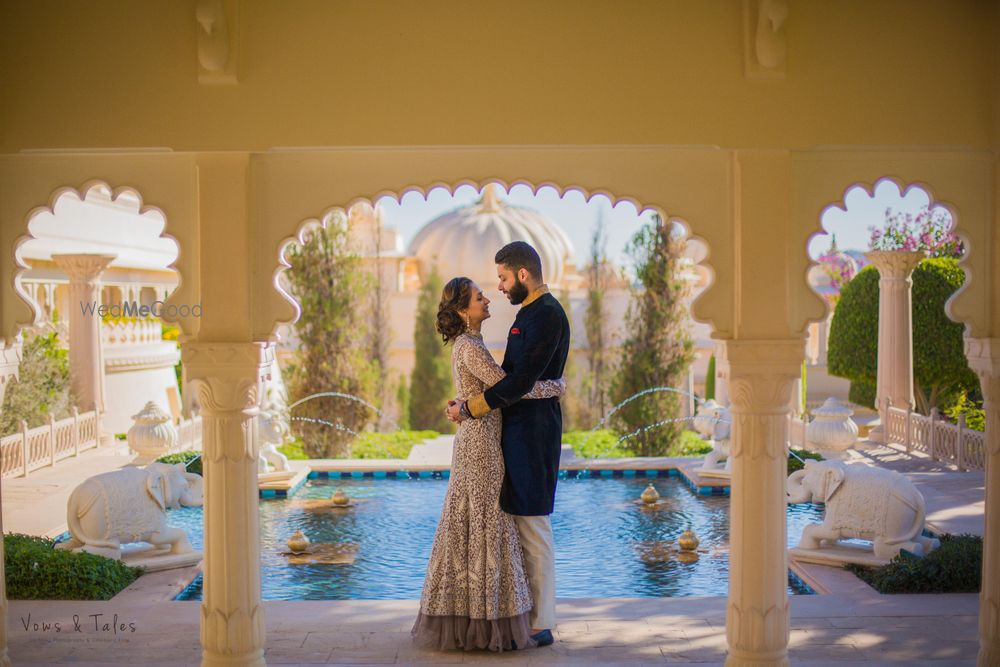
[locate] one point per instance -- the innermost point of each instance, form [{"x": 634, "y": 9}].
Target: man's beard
[{"x": 517, "y": 293}]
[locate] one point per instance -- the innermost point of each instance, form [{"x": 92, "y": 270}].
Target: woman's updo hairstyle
[{"x": 454, "y": 297}]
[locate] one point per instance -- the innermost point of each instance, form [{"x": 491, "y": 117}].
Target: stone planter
[
  {"x": 152, "y": 435},
  {"x": 832, "y": 428}
]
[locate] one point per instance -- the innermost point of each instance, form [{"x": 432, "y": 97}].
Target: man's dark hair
[{"x": 519, "y": 255}]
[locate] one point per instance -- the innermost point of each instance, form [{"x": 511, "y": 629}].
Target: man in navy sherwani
[{"x": 537, "y": 347}]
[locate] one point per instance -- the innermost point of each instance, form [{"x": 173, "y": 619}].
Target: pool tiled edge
[{"x": 576, "y": 469}]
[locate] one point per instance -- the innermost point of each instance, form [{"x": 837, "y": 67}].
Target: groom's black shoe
[{"x": 544, "y": 638}]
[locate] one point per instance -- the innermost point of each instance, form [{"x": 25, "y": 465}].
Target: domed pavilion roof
[{"x": 464, "y": 242}]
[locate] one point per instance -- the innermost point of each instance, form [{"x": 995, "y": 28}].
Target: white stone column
[
  {"x": 228, "y": 380},
  {"x": 86, "y": 358},
  {"x": 895, "y": 332},
  {"x": 761, "y": 374},
  {"x": 984, "y": 358}
]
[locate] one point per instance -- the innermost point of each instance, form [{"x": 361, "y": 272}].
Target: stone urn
[
  {"x": 340, "y": 499},
  {"x": 832, "y": 428},
  {"x": 152, "y": 435}
]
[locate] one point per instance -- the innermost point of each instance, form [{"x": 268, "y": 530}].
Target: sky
[{"x": 578, "y": 218}]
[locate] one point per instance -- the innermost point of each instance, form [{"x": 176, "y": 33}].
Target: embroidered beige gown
[{"x": 476, "y": 594}]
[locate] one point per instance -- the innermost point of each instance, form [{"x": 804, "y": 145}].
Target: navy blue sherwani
[{"x": 537, "y": 347}]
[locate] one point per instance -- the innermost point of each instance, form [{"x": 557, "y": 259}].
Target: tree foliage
[
  {"x": 595, "y": 324},
  {"x": 573, "y": 402},
  {"x": 941, "y": 373},
  {"x": 327, "y": 280},
  {"x": 43, "y": 385},
  {"x": 430, "y": 382},
  {"x": 658, "y": 348},
  {"x": 710, "y": 379}
]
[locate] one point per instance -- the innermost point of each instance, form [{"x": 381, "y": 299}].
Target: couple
[{"x": 491, "y": 578}]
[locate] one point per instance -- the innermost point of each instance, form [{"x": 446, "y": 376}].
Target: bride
[{"x": 476, "y": 593}]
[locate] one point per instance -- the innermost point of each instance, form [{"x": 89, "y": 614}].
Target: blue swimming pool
[{"x": 606, "y": 545}]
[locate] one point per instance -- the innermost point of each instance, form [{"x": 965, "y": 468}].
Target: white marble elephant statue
[
  {"x": 129, "y": 505},
  {"x": 862, "y": 502},
  {"x": 719, "y": 428},
  {"x": 273, "y": 431}
]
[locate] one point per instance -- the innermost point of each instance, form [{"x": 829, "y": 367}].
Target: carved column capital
[
  {"x": 894, "y": 264},
  {"x": 83, "y": 267},
  {"x": 760, "y": 373},
  {"x": 226, "y": 376}
]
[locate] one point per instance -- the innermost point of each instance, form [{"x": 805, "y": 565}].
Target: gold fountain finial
[
  {"x": 298, "y": 542},
  {"x": 688, "y": 541},
  {"x": 490, "y": 202},
  {"x": 650, "y": 496}
]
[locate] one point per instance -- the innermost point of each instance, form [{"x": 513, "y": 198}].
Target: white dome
[{"x": 464, "y": 242}]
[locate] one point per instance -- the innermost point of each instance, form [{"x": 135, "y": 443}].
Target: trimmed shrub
[
  {"x": 369, "y": 445},
  {"x": 710, "y": 379},
  {"x": 941, "y": 373},
  {"x": 603, "y": 444},
  {"x": 955, "y": 567},
  {"x": 36, "y": 570},
  {"x": 388, "y": 445}
]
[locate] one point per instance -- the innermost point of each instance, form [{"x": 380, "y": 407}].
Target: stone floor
[
  {"x": 36, "y": 504},
  {"x": 825, "y": 630},
  {"x": 852, "y": 626}
]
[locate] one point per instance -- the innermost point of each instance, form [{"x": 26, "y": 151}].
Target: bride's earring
[{"x": 468, "y": 325}]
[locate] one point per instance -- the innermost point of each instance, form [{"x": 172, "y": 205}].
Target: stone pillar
[
  {"x": 895, "y": 332},
  {"x": 228, "y": 380},
  {"x": 86, "y": 358},
  {"x": 984, "y": 358},
  {"x": 761, "y": 375}
]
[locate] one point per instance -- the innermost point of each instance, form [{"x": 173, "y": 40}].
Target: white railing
[
  {"x": 132, "y": 332},
  {"x": 30, "y": 449},
  {"x": 936, "y": 437},
  {"x": 189, "y": 434},
  {"x": 796, "y": 432}
]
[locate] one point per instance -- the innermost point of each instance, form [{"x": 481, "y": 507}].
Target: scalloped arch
[
  {"x": 904, "y": 188},
  {"x": 588, "y": 194},
  {"x": 81, "y": 194}
]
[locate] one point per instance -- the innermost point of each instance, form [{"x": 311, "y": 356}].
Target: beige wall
[{"x": 120, "y": 73}]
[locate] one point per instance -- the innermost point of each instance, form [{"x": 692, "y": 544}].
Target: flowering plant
[{"x": 929, "y": 232}]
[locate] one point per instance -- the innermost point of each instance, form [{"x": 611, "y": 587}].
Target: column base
[
  {"x": 252, "y": 659},
  {"x": 877, "y": 434},
  {"x": 775, "y": 659},
  {"x": 989, "y": 656}
]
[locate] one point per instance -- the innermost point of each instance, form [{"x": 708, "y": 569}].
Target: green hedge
[
  {"x": 941, "y": 373},
  {"x": 954, "y": 567},
  {"x": 190, "y": 458},
  {"x": 794, "y": 463},
  {"x": 604, "y": 444},
  {"x": 36, "y": 570},
  {"x": 369, "y": 445}
]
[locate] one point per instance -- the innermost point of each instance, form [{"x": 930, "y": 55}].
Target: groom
[{"x": 537, "y": 347}]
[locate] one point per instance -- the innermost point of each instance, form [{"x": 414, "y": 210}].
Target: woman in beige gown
[{"x": 476, "y": 594}]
